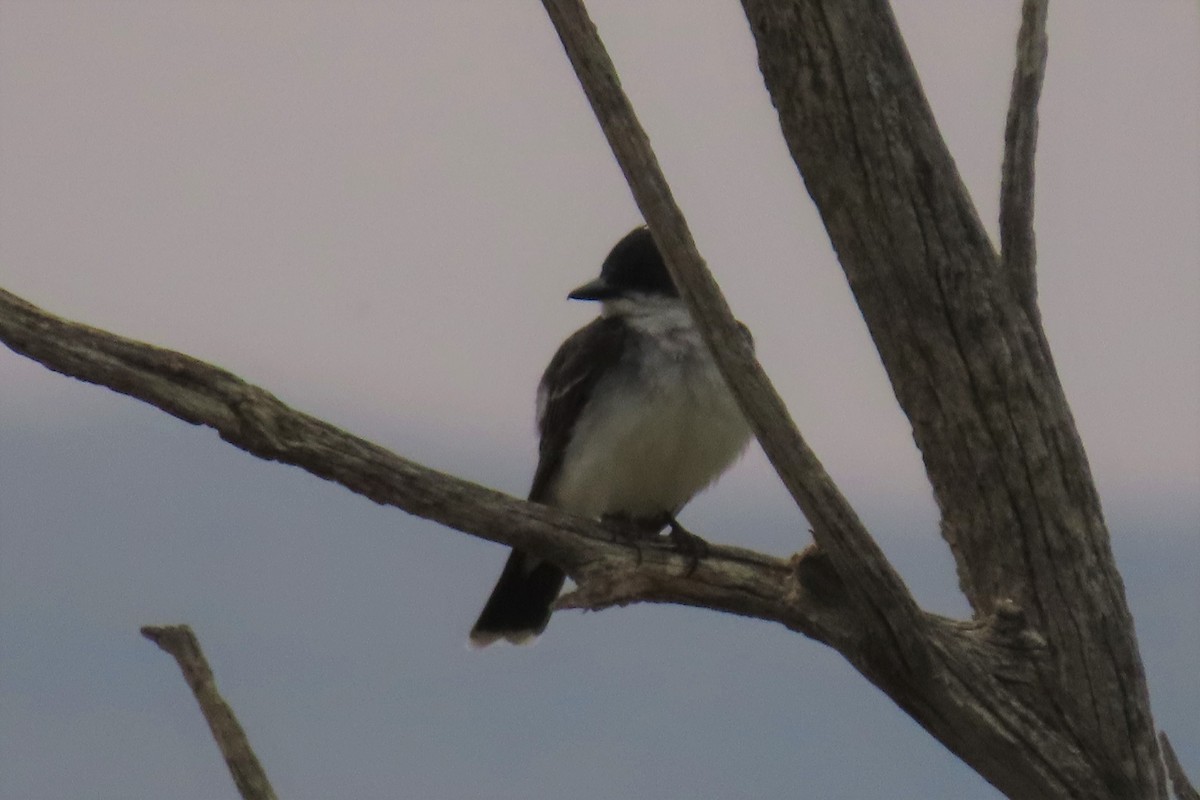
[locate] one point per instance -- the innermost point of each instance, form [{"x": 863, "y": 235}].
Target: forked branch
[
  {"x": 878, "y": 593},
  {"x": 971, "y": 369}
]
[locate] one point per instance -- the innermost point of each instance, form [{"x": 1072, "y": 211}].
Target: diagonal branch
[
  {"x": 180, "y": 643},
  {"x": 876, "y": 590},
  {"x": 1018, "y": 253},
  {"x": 729, "y": 579}
]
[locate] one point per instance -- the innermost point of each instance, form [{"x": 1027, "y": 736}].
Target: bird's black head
[{"x": 634, "y": 266}]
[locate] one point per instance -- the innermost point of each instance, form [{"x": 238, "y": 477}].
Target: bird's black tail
[{"x": 519, "y": 607}]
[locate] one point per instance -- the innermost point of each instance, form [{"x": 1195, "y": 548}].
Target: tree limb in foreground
[
  {"x": 982, "y": 669},
  {"x": 729, "y": 579},
  {"x": 960, "y": 337},
  {"x": 180, "y": 643},
  {"x": 874, "y": 586}
]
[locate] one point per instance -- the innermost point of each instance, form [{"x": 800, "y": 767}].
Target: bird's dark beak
[{"x": 598, "y": 289}]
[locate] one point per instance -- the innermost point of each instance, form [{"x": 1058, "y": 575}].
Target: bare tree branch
[
  {"x": 873, "y": 585},
  {"x": 1018, "y": 253},
  {"x": 1042, "y": 691},
  {"x": 181, "y": 644},
  {"x": 728, "y": 579},
  {"x": 972, "y": 372},
  {"x": 976, "y": 675},
  {"x": 1179, "y": 780}
]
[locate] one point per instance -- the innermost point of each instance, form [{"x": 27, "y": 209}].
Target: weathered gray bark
[
  {"x": 960, "y": 338},
  {"x": 1042, "y": 692},
  {"x": 180, "y": 643},
  {"x": 972, "y": 371},
  {"x": 608, "y": 572}
]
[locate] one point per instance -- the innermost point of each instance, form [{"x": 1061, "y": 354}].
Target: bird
[{"x": 634, "y": 420}]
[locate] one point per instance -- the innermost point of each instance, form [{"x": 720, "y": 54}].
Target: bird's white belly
[{"x": 651, "y": 440}]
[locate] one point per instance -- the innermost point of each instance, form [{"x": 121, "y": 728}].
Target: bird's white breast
[{"x": 657, "y": 430}]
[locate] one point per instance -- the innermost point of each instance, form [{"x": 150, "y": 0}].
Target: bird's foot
[
  {"x": 633, "y": 531},
  {"x": 627, "y": 530},
  {"x": 687, "y": 543}
]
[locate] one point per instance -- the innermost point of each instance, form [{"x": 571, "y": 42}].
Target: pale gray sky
[{"x": 375, "y": 210}]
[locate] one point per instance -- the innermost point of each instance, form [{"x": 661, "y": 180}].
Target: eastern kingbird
[{"x": 634, "y": 420}]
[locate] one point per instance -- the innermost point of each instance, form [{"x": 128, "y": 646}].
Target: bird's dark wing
[{"x": 566, "y": 388}]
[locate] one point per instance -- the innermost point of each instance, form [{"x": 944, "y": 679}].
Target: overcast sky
[{"x": 375, "y": 211}]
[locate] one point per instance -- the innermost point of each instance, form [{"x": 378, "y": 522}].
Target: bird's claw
[
  {"x": 632, "y": 532},
  {"x": 687, "y": 543},
  {"x": 626, "y": 530}
]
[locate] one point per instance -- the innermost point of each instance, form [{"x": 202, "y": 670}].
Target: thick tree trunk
[{"x": 970, "y": 367}]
